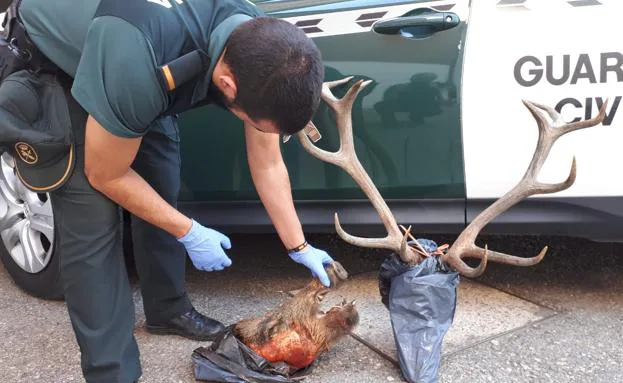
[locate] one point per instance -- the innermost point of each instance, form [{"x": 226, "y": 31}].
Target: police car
[{"x": 441, "y": 129}]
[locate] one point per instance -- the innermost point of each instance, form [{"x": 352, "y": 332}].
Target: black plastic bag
[
  {"x": 229, "y": 360},
  {"x": 421, "y": 301}
]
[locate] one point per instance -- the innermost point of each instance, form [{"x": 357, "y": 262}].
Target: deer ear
[
  {"x": 321, "y": 294},
  {"x": 337, "y": 273}
]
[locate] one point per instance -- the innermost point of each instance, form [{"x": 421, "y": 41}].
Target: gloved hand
[
  {"x": 314, "y": 259},
  {"x": 205, "y": 247}
]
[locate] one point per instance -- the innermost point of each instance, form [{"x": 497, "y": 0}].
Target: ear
[
  {"x": 228, "y": 86},
  {"x": 320, "y": 294}
]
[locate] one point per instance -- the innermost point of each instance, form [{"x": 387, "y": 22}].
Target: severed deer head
[{"x": 464, "y": 246}]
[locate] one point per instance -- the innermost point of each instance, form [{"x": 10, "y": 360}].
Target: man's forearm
[
  {"x": 273, "y": 187},
  {"x": 112, "y": 175},
  {"x": 134, "y": 194},
  {"x": 272, "y": 183}
]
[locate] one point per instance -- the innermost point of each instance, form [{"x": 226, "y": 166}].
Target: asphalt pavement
[{"x": 559, "y": 321}]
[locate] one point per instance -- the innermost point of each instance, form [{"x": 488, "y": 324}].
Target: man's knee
[{"x": 89, "y": 226}]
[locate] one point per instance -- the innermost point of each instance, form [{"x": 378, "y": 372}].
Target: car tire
[{"x": 28, "y": 239}]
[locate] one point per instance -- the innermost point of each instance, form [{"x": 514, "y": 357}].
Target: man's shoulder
[{"x": 116, "y": 80}]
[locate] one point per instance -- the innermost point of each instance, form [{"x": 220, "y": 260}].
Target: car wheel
[{"x": 28, "y": 239}]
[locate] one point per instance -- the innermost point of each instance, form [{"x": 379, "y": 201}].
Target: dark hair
[{"x": 278, "y": 72}]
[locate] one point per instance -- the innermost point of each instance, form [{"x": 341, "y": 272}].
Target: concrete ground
[{"x": 559, "y": 321}]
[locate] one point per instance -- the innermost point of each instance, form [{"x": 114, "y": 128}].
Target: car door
[
  {"x": 570, "y": 60},
  {"x": 406, "y": 122}
]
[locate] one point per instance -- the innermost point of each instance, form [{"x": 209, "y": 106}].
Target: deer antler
[
  {"x": 465, "y": 247},
  {"x": 346, "y": 158}
]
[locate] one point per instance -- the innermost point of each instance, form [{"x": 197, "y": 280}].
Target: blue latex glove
[
  {"x": 314, "y": 259},
  {"x": 205, "y": 248}
]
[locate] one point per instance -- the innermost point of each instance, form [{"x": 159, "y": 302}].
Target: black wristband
[{"x": 298, "y": 248}]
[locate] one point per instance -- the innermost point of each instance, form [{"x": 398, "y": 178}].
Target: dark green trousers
[{"x": 97, "y": 290}]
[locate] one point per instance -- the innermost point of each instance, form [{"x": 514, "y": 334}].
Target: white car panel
[{"x": 499, "y": 133}]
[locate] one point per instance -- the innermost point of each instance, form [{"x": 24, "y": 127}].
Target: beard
[{"x": 220, "y": 98}]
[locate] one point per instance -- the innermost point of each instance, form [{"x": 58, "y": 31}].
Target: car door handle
[{"x": 427, "y": 20}]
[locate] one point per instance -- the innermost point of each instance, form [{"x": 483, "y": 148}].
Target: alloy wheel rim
[{"x": 26, "y": 220}]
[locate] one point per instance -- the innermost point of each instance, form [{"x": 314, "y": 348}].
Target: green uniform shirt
[{"x": 112, "y": 62}]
